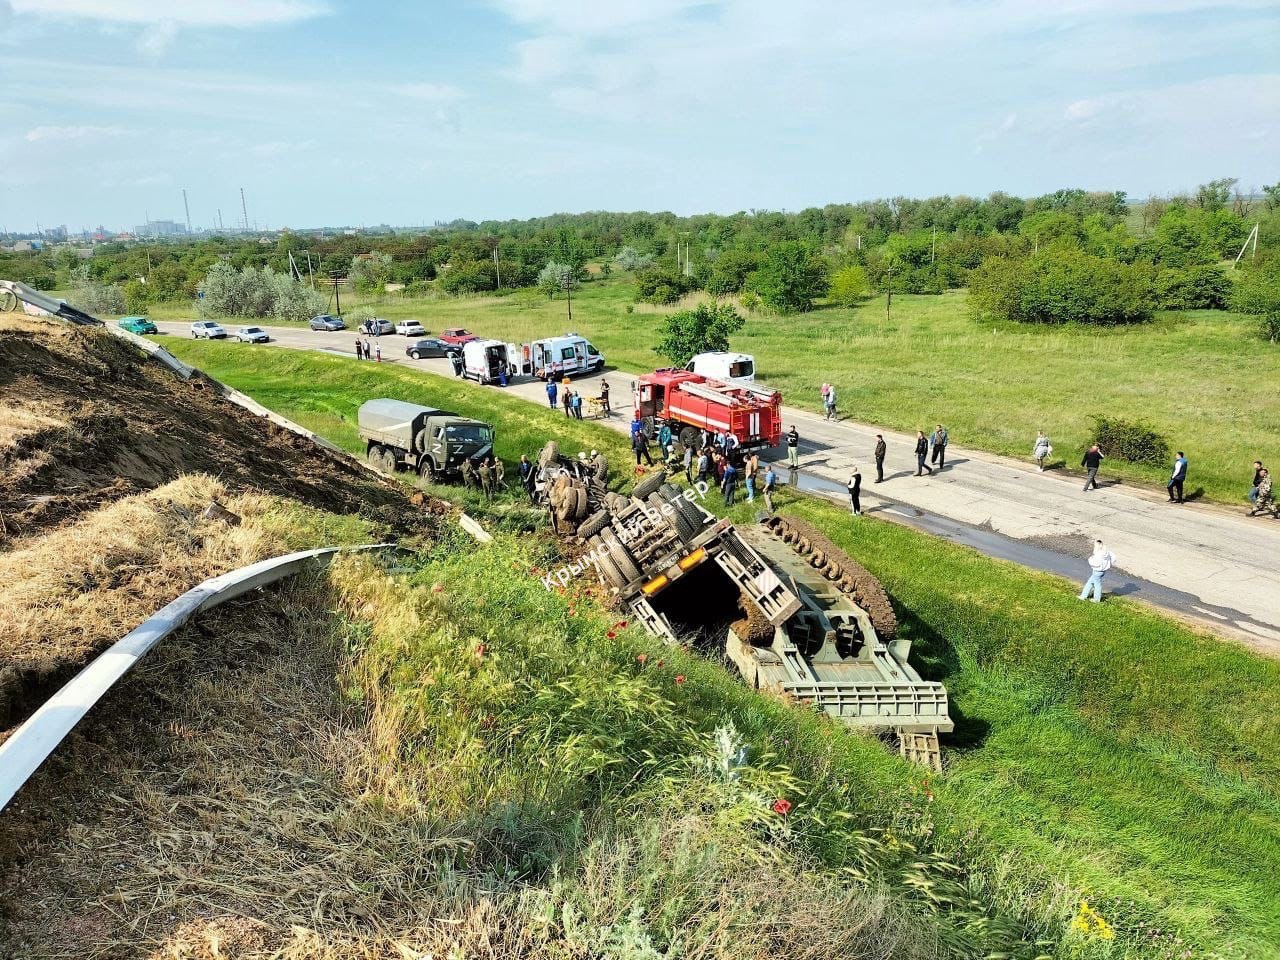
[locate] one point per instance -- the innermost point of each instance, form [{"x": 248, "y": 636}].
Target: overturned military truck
[{"x": 794, "y": 614}]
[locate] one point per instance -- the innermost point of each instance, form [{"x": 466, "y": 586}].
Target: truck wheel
[
  {"x": 609, "y": 571},
  {"x": 689, "y": 437},
  {"x": 388, "y": 460},
  {"x": 648, "y": 484},
  {"x": 620, "y": 555},
  {"x": 594, "y": 524},
  {"x": 689, "y": 519},
  {"x": 427, "y": 470},
  {"x": 374, "y": 454},
  {"x": 549, "y": 455}
]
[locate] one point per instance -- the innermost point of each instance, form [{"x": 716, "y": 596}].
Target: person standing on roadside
[
  {"x": 359, "y": 349},
  {"x": 881, "y": 449},
  {"x": 729, "y": 483},
  {"x": 1100, "y": 561},
  {"x": 1178, "y": 478},
  {"x": 577, "y": 405},
  {"x": 486, "y": 479},
  {"x": 1257, "y": 479},
  {"x": 770, "y": 486},
  {"x": 566, "y": 401},
  {"x": 793, "y": 448},
  {"x": 1092, "y": 459},
  {"x": 704, "y": 464},
  {"x": 1041, "y": 449},
  {"x": 939, "y": 441},
  {"x": 551, "y": 393},
  {"x": 604, "y": 398},
  {"x": 830, "y": 402},
  {"x": 640, "y": 444},
  {"x": 377, "y": 352},
  {"x": 688, "y": 465},
  {"x": 855, "y": 488},
  {"x": 749, "y": 469},
  {"x": 1263, "y": 501},
  {"x": 665, "y": 440},
  {"x": 922, "y": 452}
]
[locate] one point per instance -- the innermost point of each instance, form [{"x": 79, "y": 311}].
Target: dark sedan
[{"x": 431, "y": 347}]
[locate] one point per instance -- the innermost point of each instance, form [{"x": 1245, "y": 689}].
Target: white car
[
  {"x": 207, "y": 330},
  {"x": 252, "y": 335},
  {"x": 410, "y": 328}
]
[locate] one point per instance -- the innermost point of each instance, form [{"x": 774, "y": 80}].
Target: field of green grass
[
  {"x": 1103, "y": 753},
  {"x": 1203, "y": 379}
]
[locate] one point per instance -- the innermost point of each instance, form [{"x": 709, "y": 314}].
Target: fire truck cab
[{"x": 689, "y": 402}]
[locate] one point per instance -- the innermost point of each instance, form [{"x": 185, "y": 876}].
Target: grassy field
[
  {"x": 1201, "y": 378},
  {"x": 1103, "y": 752}
]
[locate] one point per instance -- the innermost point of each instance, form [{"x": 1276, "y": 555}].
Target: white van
[
  {"x": 558, "y": 357},
  {"x": 721, "y": 365},
  {"x": 482, "y": 359}
]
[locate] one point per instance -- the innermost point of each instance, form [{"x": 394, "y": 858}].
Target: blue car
[{"x": 137, "y": 325}]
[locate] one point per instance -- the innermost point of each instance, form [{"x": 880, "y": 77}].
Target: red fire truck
[{"x": 689, "y": 402}]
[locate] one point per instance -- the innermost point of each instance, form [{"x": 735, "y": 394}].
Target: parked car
[
  {"x": 458, "y": 335},
  {"x": 376, "y": 327},
  {"x": 252, "y": 335},
  {"x": 207, "y": 330},
  {"x": 327, "y": 322},
  {"x": 137, "y": 325},
  {"x": 411, "y": 328},
  {"x": 431, "y": 347}
]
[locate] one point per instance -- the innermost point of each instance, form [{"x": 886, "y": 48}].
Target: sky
[{"x": 337, "y": 112}]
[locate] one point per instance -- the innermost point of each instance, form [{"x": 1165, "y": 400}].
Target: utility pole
[
  {"x": 888, "y": 300},
  {"x": 220, "y": 220},
  {"x": 245, "y": 210},
  {"x": 568, "y": 293},
  {"x": 497, "y": 269},
  {"x": 187, "y": 208}
]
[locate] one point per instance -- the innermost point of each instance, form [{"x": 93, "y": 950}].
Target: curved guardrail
[{"x": 29, "y": 746}]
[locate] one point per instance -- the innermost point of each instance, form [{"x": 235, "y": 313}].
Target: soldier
[
  {"x": 499, "y": 474},
  {"x": 468, "y": 474},
  {"x": 486, "y": 478}
]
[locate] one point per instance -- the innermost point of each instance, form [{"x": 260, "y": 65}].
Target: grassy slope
[
  {"x": 1107, "y": 746},
  {"x": 1201, "y": 378}
]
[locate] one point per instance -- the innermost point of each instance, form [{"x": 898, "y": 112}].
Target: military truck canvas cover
[{"x": 394, "y": 421}]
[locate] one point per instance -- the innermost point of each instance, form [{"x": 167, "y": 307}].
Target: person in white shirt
[{"x": 1100, "y": 561}]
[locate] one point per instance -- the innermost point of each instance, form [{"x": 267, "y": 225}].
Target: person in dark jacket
[
  {"x": 855, "y": 488},
  {"x": 1178, "y": 478},
  {"x": 528, "y": 478},
  {"x": 1257, "y": 479},
  {"x": 729, "y": 483},
  {"x": 640, "y": 444},
  {"x": 922, "y": 453},
  {"x": 939, "y": 441},
  {"x": 1091, "y": 461},
  {"x": 793, "y": 448},
  {"x": 881, "y": 449}
]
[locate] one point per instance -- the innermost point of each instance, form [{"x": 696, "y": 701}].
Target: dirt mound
[{"x": 86, "y": 418}]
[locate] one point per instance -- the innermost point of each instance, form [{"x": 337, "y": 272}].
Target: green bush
[
  {"x": 706, "y": 327},
  {"x": 849, "y": 286},
  {"x": 1062, "y": 285},
  {"x": 468, "y": 277},
  {"x": 1131, "y": 441},
  {"x": 657, "y": 285},
  {"x": 790, "y": 277},
  {"x": 1192, "y": 288},
  {"x": 1257, "y": 294}
]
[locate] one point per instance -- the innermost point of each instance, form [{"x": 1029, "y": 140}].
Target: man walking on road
[
  {"x": 1092, "y": 460},
  {"x": 939, "y": 440},
  {"x": 1178, "y": 478},
  {"x": 829, "y": 401},
  {"x": 793, "y": 448},
  {"x": 855, "y": 488},
  {"x": 1100, "y": 562},
  {"x": 922, "y": 451},
  {"x": 551, "y": 393},
  {"x": 881, "y": 449}
]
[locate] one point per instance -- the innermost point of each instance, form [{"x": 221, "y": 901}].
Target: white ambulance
[
  {"x": 722, "y": 365},
  {"x": 566, "y": 356}
]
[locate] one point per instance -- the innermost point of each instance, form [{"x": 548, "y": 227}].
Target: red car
[{"x": 458, "y": 335}]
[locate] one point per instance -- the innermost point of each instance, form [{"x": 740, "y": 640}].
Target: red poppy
[
  {"x": 680, "y": 678},
  {"x": 642, "y": 658},
  {"x": 620, "y": 625},
  {"x": 658, "y": 664},
  {"x": 610, "y": 634},
  {"x": 781, "y": 807}
]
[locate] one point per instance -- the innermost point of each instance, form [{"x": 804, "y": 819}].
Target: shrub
[
  {"x": 849, "y": 286},
  {"x": 1257, "y": 294},
  {"x": 98, "y": 299},
  {"x": 656, "y": 285},
  {"x": 470, "y": 276},
  {"x": 1062, "y": 285},
  {"x": 1192, "y": 288},
  {"x": 790, "y": 278},
  {"x": 263, "y": 293},
  {"x": 629, "y": 258},
  {"x": 1131, "y": 441}
]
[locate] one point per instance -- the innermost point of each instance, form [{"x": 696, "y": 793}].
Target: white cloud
[
  {"x": 157, "y": 39},
  {"x": 187, "y": 13},
  {"x": 78, "y": 132}
]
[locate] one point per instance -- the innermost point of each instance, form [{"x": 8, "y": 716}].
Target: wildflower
[
  {"x": 658, "y": 664},
  {"x": 680, "y": 678},
  {"x": 480, "y": 649},
  {"x": 620, "y": 625},
  {"x": 610, "y": 635},
  {"x": 642, "y": 659},
  {"x": 781, "y": 807},
  {"x": 438, "y": 588}
]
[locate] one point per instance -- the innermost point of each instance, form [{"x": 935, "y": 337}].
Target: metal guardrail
[{"x": 29, "y": 746}]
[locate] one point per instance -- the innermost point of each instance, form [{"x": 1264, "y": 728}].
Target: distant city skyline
[{"x": 331, "y": 112}]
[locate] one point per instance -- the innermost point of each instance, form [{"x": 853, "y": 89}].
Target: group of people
[
  {"x": 366, "y": 352},
  {"x": 571, "y": 400},
  {"x": 1260, "y": 495},
  {"x": 490, "y": 475}
]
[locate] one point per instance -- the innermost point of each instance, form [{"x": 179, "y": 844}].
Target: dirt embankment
[{"x": 86, "y": 419}]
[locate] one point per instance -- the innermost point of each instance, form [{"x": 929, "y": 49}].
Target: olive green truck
[{"x": 432, "y": 443}]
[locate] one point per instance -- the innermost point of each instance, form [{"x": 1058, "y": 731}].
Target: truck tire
[
  {"x": 620, "y": 556},
  {"x": 427, "y": 470},
  {"x": 387, "y": 462},
  {"x": 686, "y": 510},
  {"x": 374, "y": 454},
  {"x": 609, "y": 571},
  {"x": 689, "y": 437},
  {"x": 684, "y": 529},
  {"x": 549, "y": 455},
  {"x": 649, "y": 483},
  {"x": 616, "y": 502},
  {"x": 594, "y": 524}
]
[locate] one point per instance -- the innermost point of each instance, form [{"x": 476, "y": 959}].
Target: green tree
[
  {"x": 370, "y": 271},
  {"x": 1257, "y": 294},
  {"x": 790, "y": 277},
  {"x": 849, "y": 286},
  {"x": 1215, "y": 194},
  {"x": 705, "y": 327},
  {"x": 558, "y": 277},
  {"x": 1062, "y": 285}
]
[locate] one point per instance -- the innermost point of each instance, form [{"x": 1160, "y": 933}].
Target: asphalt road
[{"x": 1204, "y": 563}]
